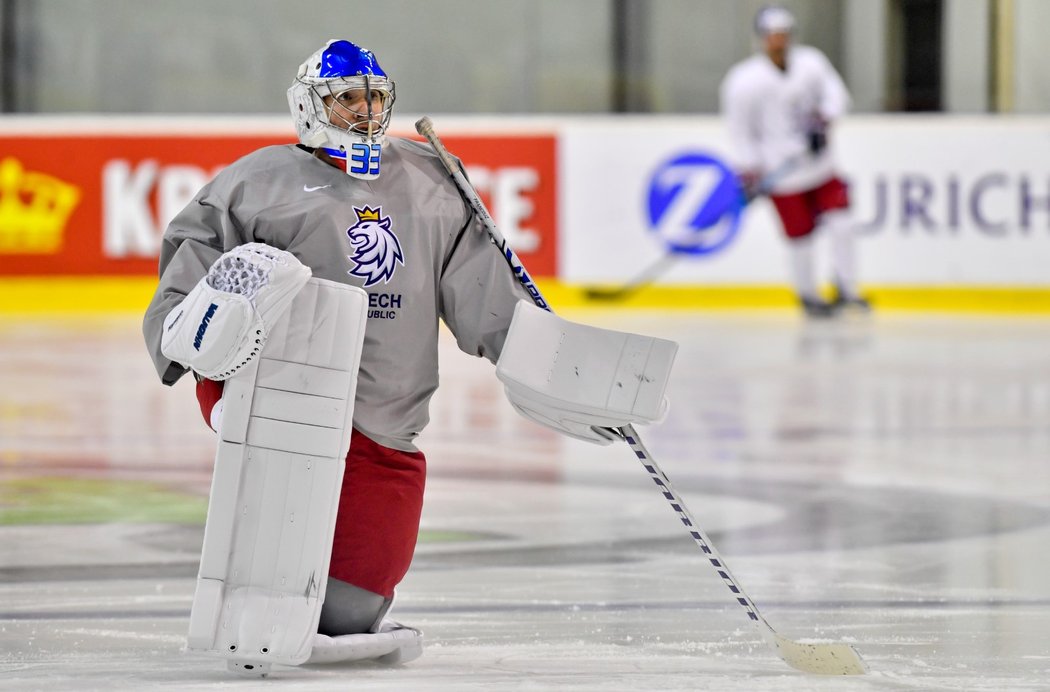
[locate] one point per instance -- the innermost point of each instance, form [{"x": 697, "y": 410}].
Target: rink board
[{"x": 953, "y": 212}]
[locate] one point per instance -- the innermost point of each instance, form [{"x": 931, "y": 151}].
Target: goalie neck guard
[{"x": 331, "y": 110}]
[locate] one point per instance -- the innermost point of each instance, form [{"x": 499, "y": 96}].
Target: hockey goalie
[{"x": 303, "y": 288}]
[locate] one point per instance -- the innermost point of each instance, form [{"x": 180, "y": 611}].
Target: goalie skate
[{"x": 283, "y": 440}]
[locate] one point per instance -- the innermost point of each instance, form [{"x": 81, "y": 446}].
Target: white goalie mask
[{"x": 331, "y": 110}]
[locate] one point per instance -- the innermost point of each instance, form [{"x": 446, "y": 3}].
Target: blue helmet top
[{"x": 345, "y": 59}]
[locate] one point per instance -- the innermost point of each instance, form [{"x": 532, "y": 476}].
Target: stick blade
[
  {"x": 821, "y": 658},
  {"x": 595, "y": 293}
]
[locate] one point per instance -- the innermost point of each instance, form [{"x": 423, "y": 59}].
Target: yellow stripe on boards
[
  {"x": 75, "y": 294},
  {"x": 997, "y": 299},
  {"x": 35, "y": 295},
  {"x": 977, "y": 299}
]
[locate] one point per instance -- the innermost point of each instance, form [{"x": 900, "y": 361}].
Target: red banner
[{"x": 98, "y": 205}]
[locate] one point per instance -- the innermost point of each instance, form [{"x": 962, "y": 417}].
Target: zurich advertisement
[{"x": 962, "y": 203}]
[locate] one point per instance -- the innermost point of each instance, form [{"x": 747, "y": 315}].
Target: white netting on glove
[{"x": 244, "y": 272}]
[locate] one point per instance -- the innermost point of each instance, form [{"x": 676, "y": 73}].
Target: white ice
[{"x": 882, "y": 482}]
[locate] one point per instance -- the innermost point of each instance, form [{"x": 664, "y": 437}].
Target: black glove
[
  {"x": 817, "y": 136},
  {"x": 818, "y": 139},
  {"x": 749, "y": 182}
]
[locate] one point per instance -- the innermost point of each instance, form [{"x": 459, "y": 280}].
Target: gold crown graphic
[
  {"x": 34, "y": 208},
  {"x": 367, "y": 214}
]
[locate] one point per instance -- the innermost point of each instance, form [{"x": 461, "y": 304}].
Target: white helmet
[
  {"x": 774, "y": 19},
  {"x": 339, "y": 69}
]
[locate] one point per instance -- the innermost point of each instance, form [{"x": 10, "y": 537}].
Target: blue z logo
[
  {"x": 365, "y": 158},
  {"x": 694, "y": 204}
]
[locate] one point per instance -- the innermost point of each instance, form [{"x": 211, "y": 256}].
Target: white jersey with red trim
[
  {"x": 769, "y": 113},
  {"x": 407, "y": 238}
]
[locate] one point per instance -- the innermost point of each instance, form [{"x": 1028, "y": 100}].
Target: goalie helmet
[{"x": 331, "y": 110}]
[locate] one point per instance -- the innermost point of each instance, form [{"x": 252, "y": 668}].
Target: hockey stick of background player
[
  {"x": 643, "y": 279},
  {"x": 646, "y": 276},
  {"x": 822, "y": 658}
]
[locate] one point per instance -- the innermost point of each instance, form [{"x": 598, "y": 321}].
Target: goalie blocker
[
  {"x": 583, "y": 381},
  {"x": 283, "y": 440}
]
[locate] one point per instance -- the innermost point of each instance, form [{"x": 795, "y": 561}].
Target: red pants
[
  {"x": 799, "y": 211},
  {"x": 379, "y": 507}
]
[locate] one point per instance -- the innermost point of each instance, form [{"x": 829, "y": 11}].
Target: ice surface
[{"x": 882, "y": 483}]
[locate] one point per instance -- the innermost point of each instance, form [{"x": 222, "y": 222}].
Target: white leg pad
[
  {"x": 393, "y": 643},
  {"x": 283, "y": 440}
]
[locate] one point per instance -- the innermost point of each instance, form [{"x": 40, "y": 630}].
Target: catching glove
[{"x": 222, "y": 324}]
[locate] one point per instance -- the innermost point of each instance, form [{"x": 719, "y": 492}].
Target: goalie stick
[
  {"x": 665, "y": 262},
  {"x": 821, "y": 658}
]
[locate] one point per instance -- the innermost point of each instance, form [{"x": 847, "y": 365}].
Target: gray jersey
[{"x": 407, "y": 238}]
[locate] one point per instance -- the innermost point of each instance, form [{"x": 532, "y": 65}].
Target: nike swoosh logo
[{"x": 307, "y": 188}]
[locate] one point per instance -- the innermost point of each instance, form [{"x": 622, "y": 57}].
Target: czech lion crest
[{"x": 377, "y": 251}]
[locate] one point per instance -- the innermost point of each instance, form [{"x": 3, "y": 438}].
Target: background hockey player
[
  {"x": 380, "y": 213},
  {"x": 778, "y": 105}
]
